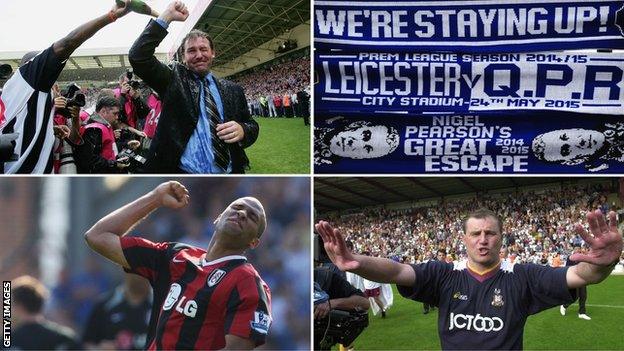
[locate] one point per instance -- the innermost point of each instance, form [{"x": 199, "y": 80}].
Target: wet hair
[
  {"x": 106, "y": 101},
  {"x": 484, "y": 213},
  {"x": 196, "y": 33},
  {"x": 29, "y": 293}
]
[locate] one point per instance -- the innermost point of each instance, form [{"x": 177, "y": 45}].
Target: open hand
[
  {"x": 605, "y": 246},
  {"x": 336, "y": 247}
]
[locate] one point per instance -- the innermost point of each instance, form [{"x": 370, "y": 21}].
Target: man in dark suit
[{"x": 204, "y": 123}]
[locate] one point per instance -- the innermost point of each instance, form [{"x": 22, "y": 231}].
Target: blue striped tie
[{"x": 221, "y": 152}]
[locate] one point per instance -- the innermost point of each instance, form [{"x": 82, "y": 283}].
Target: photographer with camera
[
  {"x": 130, "y": 144},
  {"x": 68, "y": 118},
  {"x": 340, "y": 309},
  {"x": 99, "y": 153},
  {"x": 27, "y": 96},
  {"x": 134, "y": 106}
]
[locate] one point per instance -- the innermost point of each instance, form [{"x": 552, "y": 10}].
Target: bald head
[
  {"x": 257, "y": 205},
  {"x": 241, "y": 224}
]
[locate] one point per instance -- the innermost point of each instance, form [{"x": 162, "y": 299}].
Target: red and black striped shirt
[{"x": 197, "y": 303}]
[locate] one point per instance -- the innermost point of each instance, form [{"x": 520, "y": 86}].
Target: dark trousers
[
  {"x": 427, "y": 307},
  {"x": 582, "y": 296}
]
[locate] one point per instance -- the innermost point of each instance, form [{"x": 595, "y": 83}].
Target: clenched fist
[
  {"x": 176, "y": 11},
  {"x": 172, "y": 194}
]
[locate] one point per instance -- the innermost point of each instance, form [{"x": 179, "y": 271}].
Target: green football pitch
[
  {"x": 407, "y": 328},
  {"x": 283, "y": 147}
]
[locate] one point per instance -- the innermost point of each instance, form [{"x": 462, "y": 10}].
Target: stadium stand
[
  {"x": 276, "y": 79},
  {"x": 538, "y": 220}
]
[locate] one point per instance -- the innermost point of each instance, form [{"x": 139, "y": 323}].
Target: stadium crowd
[
  {"x": 538, "y": 225},
  {"x": 280, "y": 258},
  {"x": 278, "y": 90}
]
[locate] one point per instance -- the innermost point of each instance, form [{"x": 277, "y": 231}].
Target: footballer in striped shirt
[
  {"x": 203, "y": 298},
  {"x": 26, "y": 105}
]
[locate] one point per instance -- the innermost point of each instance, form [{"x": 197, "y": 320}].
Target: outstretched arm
[
  {"x": 605, "y": 248},
  {"x": 141, "y": 56},
  {"x": 381, "y": 270},
  {"x": 104, "y": 236},
  {"x": 63, "y": 48}
]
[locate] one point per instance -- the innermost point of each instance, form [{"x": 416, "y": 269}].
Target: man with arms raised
[
  {"x": 204, "y": 124},
  {"x": 203, "y": 299},
  {"x": 484, "y": 303}
]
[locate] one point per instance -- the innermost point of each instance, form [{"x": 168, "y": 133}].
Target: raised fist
[
  {"x": 172, "y": 194},
  {"x": 176, "y": 11}
]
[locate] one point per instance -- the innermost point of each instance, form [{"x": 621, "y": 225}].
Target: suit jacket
[{"x": 179, "y": 92}]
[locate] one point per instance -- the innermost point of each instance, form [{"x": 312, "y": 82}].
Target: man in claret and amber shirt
[
  {"x": 484, "y": 303},
  {"x": 203, "y": 299}
]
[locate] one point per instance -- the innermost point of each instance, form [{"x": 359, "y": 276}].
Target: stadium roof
[
  {"x": 240, "y": 26},
  {"x": 342, "y": 193},
  {"x": 247, "y": 30},
  {"x": 101, "y": 58}
]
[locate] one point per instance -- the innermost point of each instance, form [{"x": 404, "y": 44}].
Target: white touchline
[{"x": 608, "y": 306}]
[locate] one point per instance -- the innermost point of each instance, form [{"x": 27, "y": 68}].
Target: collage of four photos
[{"x": 312, "y": 174}]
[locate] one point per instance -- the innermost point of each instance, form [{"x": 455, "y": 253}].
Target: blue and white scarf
[
  {"x": 525, "y": 142},
  {"x": 472, "y": 26},
  {"x": 367, "y": 83}
]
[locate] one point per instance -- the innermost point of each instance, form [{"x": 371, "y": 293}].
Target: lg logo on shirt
[
  {"x": 186, "y": 307},
  {"x": 477, "y": 323}
]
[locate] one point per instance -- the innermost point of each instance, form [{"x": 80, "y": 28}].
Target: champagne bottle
[{"x": 139, "y": 6}]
